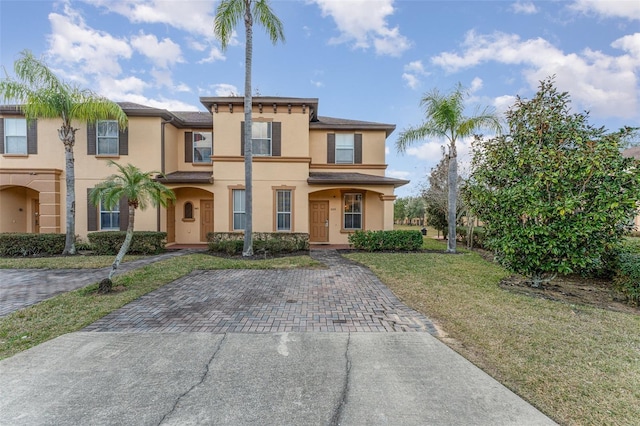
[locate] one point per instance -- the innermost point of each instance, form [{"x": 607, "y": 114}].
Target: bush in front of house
[
  {"x": 478, "y": 235},
  {"x": 19, "y": 244},
  {"x": 263, "y": 242},
  {"x": 627, "y": 274},
  {"x": 143, "y": 242},
  {"x": 399, "y": 240}
]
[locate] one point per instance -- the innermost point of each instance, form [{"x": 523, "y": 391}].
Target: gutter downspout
[{"x": 162, "y": 164}]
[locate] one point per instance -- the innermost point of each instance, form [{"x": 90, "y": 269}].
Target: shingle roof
[
  {"x": 186, "y": 177},
  {"x": 338, "y": 178},
  {"x": 345, "y": 124},
  {"x": 195, "y": 118}
]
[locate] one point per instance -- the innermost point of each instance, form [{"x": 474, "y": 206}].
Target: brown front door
[
  {"x": 319, "y": 221},
  {"x": 206, "y": 218},
  {"x": 36, "y": 217},
  {"x": 171, "y": 222}
]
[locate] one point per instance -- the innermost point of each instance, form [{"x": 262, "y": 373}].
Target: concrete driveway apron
[{"x": 271, "y": 347}]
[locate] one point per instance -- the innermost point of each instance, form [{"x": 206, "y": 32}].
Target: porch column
[{"x": 387, "y": 219}]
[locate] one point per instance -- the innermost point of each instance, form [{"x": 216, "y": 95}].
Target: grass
[
  {"x": 61, "y": 262},
  {"x": 75, "y": 310},
  {"x": 579, "y": 365}
]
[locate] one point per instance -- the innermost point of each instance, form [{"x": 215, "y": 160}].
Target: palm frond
[
  {"x": 228, "y": 13},
  {"x": 269, "y": 21}
]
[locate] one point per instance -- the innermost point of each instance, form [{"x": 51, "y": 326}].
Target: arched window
[{"x": 188, "y": 210}]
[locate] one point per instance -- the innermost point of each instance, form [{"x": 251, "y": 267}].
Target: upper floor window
[
  {"x": 109, "y": 218},
  {"x": 238, "y": 209},
  {"x": 107, "y": 137},
  {"x": 202, "y": 147},
  {"x": 352, "y": 211},
  {"x": 15, "y": 136},
  {"x": 261, "y": 137},
  {"x": 344, "y": 148},
  {"x": 283, "y": 210}
]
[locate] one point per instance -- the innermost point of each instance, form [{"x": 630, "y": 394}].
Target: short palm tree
[
  {"x": 228, "y": 13},
  {"x": 444, "y": 118},
  {"x": 41, "y": 94},
  {"x": 140, "y": 190}
]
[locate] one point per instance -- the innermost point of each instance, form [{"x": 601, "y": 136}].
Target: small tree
[
  {"x": 436, "y": 197},
  {"x": 555, "y": 193},
  {"x": 444, "y": 118},
  {"x": 400, "y": 209},
  {"x": 416, "y": 209},
  {"x": 140, "y": 190},
  {"x": 41, "y": 94}
]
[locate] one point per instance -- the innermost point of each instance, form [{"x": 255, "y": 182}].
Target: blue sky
[{"x": 365, "y": 60}]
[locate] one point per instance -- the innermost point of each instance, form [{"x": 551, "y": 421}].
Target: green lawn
[{"x": 579, "y": 365}]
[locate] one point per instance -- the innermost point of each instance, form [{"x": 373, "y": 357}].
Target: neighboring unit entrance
[
  {"x": 319, "y": 221},
  {"x": 206, "y": 218},
  {"x": 36, "y": 217},
  {"x": 171, "y": 222}
]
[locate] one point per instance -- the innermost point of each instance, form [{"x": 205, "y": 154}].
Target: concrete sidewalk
[{"x": 259, "y": 379}]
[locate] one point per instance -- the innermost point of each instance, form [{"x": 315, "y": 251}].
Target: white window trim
[
  {"x": 194, "y": 146},
  {"x": 234, "y": 211},
  {"x": 98, "y": 137},
  {"x": 352, "y": 148},
  {"x": 24, "y": 147},
  {"x": 345, "y": 213},
  {"x": 115, "y": 209},
  {"x": 285, "y": 213},
  {"x": 269, "y": 138}
]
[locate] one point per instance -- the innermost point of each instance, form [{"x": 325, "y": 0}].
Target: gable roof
[
  {"x": 348, "y": 178},
  {"x": 329, "y": 123}
]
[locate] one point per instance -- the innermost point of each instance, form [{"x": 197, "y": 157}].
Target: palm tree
[
  {"x": 41, "y": 94},
  {"x": 444, "y": 118},
  {"x": 228, "y": 14},
  {"x": 140, "y": 190}
]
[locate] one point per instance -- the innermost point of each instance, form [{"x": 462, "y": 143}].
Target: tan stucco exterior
[{"x": 156, "y": 141}]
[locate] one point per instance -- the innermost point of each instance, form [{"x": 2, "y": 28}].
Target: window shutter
[
  {"x": 188, "y": 147},
  {"x": 357, "y": 148},
  {"x": 91, "y": 139},
  {"x": 331, "y": 148},
  {"x": 276, "y": 137},
  {"x": 1, "y": 135},
  {"x": 124, "y": 213},
  {"x": 32, "y": 137},
  {"x": 242, "y": 138},
  {"x": 123, "y": 142},
  {"x": 92, "y": 214}
]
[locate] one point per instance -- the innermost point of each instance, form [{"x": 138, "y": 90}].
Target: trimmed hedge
[
  {"x": 400, "y": 240},
  {"x": 18, "y": 244},
  {"x": 263, "y": 242},
  {"x": 143, "y": 242}
]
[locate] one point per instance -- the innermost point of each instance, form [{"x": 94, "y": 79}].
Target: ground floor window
[
  {"x": 352, "y": 211},
  {"x": 109, "y": 218},
  {"x": 283, "y": 210},
  {"x": 238, "y": 209}
]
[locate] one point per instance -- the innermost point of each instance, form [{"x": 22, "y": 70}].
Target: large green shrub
[
  {"x": 555, "y": 193},
  {"x": 143, "y": 242},
  {"x": 16, "y": 244},
  {"x": 399, "y": 240},
  {"x": 263, "y": 242},
  {"x": 627, "y": 275}
]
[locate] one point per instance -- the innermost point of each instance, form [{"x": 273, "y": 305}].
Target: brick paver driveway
[{"x": 345, "y": 297}]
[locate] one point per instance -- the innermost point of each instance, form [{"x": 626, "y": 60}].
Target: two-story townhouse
[{"x": 319, "y": 175}]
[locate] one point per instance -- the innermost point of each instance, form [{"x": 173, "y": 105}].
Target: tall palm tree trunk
[
  {"x": 127, "y": 242},
  {"x": 248, "y": 145},
  {"x": 69, "y": 243},
  {"x": 452, "y": 182}
]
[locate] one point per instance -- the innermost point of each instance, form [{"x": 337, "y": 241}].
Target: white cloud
[
  {"x": 162, "y": 53},
  {"x": 224, "y": 89},
  {"x": 412, "y": 73},
  {"x": 80, "y": 48},
  {"x": 503, "y": 103},
  {"x": 317, "y": 83},
  {"x": 119, "y": 89},
  {"x": 476, "y": 84},
  {"x": 194, "y": 17},
  {"x": 215, "y": 54},
  {"x": 628, "y": 9},
  {"x": 386, "y": 150},
  {"x": 524, "y": 7},
  {"x": 605, "y": 85},
  {"x": 398, "y": 174},
  {"x": 365, "y": 25},
  {"x": 412, "y": 81}
]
